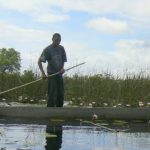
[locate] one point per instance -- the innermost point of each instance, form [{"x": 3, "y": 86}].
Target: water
[{"x": 67, "y": 137}]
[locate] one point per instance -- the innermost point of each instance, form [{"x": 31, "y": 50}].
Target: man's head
[{"x": 56, "y": 39}]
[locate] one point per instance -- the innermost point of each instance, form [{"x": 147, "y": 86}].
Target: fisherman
[{"x": 55, "y": 55}]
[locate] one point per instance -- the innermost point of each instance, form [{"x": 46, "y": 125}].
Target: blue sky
[{"x": 109, "y": 35}]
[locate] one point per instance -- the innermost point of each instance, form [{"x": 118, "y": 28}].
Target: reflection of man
[{"x": 54, "y": 143}]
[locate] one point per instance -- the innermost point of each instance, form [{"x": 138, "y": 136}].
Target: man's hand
[
  {"x": 44, "y": 76},
  {"x": 62, "y": 70}
]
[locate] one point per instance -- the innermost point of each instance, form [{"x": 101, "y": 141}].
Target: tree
[{"x": 9, "y": 60}]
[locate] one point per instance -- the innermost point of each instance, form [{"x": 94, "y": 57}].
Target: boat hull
[{"x": 76, "y": 113}]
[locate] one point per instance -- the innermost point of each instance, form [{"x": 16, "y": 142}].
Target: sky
[{"x": 111, "y": 36}]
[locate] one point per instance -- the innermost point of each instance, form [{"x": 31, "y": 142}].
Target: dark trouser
[{"x": 55, "y": 91}]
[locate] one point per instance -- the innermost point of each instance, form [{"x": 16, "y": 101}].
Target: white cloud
[
  {"x": 103, "y": 148},
  {"x": 23, "y": 6},
  {"x": 134, "y": 45},
  {"x": 132, "y": 14},
  {"x": 133, "y": 54},
  {"x": 52, "y": 18},
  {"x": 136, "y": 52},
  {"x": 130, "y": 55},
  {"x": 109, "y": 26},
  {"x": 19, "y": 34},
  {"x": 137, "y": 9},
  {"x": 40, "y": 10},
  {"x": 4, "y": 45}
]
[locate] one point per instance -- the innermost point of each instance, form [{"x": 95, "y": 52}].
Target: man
[{"x": 55, "y": 55}]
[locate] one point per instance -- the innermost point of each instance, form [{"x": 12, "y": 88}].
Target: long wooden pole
[{"x": 39, "y": 79}]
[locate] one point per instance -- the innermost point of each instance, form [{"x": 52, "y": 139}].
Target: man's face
[{"x": 56, "y": 40}]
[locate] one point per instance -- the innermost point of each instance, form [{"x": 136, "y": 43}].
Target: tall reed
[{"x": 99, "y": 90}]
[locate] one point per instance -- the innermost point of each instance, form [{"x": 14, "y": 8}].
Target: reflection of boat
[{"x": 74, "y": 113}]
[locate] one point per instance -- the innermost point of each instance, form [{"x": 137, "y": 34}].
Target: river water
[{"x": 64, "y": 136}]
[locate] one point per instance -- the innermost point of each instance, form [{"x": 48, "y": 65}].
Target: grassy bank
[{"x": 94, "y": 90}]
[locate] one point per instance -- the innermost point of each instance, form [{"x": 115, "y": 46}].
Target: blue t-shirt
[{"x": 55, "y": 56}]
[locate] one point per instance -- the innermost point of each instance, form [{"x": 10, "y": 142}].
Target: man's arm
[
  {"x": 62, "y": 70},
  {"x": 64, "y": 60},
  {"x": 41, "y": 69}
]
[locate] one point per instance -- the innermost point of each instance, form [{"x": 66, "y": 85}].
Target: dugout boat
[{"x": 76, "y": 113}]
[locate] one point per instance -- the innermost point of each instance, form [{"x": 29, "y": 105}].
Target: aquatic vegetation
[
  {"x": 101, "y": 90},
  {"x": 119, "y": 122}
]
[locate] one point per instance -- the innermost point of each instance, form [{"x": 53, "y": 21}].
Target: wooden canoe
[{"x": 76, "y": 113}]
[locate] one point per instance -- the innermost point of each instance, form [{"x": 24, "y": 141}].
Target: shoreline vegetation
[
  {"x": 101, "y": 90},
  {"x": 96, "y": 90}
]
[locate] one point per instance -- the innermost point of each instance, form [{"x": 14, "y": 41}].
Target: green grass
[{"x": 99, "y": 90}]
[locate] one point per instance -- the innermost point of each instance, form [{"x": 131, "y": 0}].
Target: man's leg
[
  {"x": 52, "y": 91},
  {"x": 60, "y": 91}
]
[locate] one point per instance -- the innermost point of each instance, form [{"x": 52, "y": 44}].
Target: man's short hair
[{"x": 56, "y": 34}]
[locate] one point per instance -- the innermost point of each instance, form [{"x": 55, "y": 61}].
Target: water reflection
[
  {"x": 54, "y": 143},
  {"x": 34, "y": 137}
]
